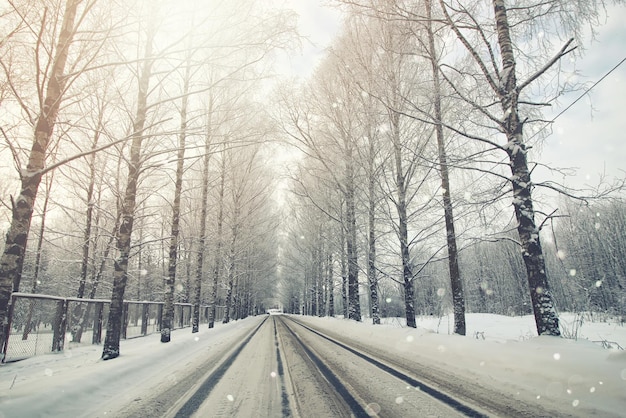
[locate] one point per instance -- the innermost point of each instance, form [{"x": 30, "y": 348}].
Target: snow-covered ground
[
  {"x": 578, "y": 376},
  {"x": 498, "y": 351}
]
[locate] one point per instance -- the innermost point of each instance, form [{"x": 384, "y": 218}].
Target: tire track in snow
[
  {"x": 286, "y": 410},
  {"x": 423, "y": 387},
  {"x": 196, "y": 396},
  {"x": 345, "y": 395}
]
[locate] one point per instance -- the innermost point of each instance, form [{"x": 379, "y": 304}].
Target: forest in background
[{"x": 154, "y": 151}]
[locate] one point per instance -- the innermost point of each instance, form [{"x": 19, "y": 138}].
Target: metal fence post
[
  {"x": 124, "y": 319},
  {"x": 60, "y": 325},
  {"x": 97, "y": 324},
  {"x": 181, "y": 318},
  {"x": 144, "y": 319},
  {"x": 159, "y": 316},
  {"x": 7, "y": 330}
]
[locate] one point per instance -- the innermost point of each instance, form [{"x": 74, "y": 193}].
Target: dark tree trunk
[
  {"x": 354, "y": 305},
  {"x": 403, "y": 236},
  {"x": 111, "y": 347},
  {"x": 42, "y": 228},
  {"x": 217, "y": 260},
  {"x": 372, "y": 274},
  {"x": 458, "y": 297},
  {"x": 232, "y": 265},
  {"x": 12, "y": 260},
  {"x": 168, "y": 308},
  {"x": 541, "y": 297},
  {"x": 344, "y": 270},
  {"x": 79, "y": 312},
  {"x": 202, "y": 241},
  {"x": 331, "y": 287}
]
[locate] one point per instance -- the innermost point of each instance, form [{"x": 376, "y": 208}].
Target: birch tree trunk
[
  {"x": 42, "y": 230},
  {"x": 111, "y": 348},
  {"x": 456, "y": 284},
  {"x": 12, "y": 260},
  {"x": 344, "y": 267},
  {"x": 372, "y": 274},
  {"x": 354, "y": 305},
  {"x": 541, "y": 297},
  {"x": 79, "y": 312},
  {"x": 167, "y": 320},
  {"x": 202, "y": 241},
  {"x": 331, "y": 286},
  {"x": 232, "y": 265},
  {"x": 217, "y": 259}
]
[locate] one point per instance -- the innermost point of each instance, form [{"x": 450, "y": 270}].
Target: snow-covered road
[{"x": 286, "y": 369}]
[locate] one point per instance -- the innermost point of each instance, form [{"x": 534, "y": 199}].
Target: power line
[{"x": 580, "y": 97}]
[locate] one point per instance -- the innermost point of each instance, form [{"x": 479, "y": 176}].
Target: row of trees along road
[
  {"x": 414, "y": 100},
  {"x": 147, "y": 115},
  {"x": 143, "y": 152}
]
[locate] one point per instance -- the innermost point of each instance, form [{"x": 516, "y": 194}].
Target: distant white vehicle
[{"x": 275, "y": 311}]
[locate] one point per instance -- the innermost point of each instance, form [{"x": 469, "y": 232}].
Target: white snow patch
[{"x": 511, "y": 358}]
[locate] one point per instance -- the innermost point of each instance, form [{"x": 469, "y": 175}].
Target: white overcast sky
[
  {"x": 319, "y": 24},
  {"x": 591, "y": 134}
]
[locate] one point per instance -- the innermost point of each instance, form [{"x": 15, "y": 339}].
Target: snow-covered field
[{"x": 497, "y": 351}]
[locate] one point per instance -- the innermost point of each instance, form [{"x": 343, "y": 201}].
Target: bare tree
[
  {"x": 12, "y": 260},
  {"x": 111, "y": 348},
  {"x": 324, "y": 130},
  {"x": 458, "y": 298},
  {"x": 500, "y": 73},
  {"x": 168, "y": 307}
]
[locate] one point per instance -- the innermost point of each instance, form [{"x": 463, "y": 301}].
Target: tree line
[
  {"x": 136, "y": 135},
  {"x": 146, "y": 155},
  {"x": 416, "y": 136}
]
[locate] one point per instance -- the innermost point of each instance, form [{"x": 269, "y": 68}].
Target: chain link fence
[{"x": 42, "y": 324}]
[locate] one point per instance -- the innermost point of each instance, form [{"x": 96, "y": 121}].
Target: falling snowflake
[
  {"x": 372, "y": 409},
  {"x": 557, "y": 356},
  {"x": 572, "y": 272}
]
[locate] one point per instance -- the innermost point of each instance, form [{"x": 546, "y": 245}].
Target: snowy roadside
[
  {"x": 505, "y": 354},
  {"x": 78, "y": 383}
]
